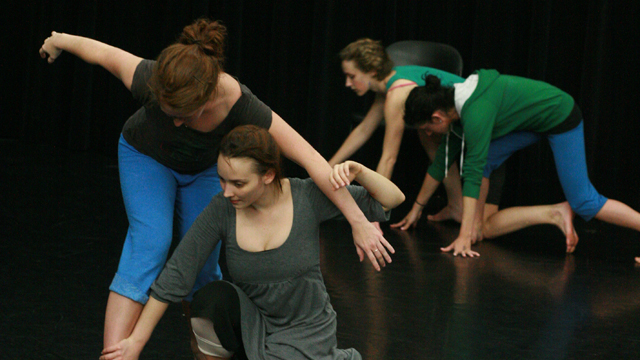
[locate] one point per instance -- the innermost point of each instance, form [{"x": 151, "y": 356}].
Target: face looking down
[
  {"x": 356, "y": 80},
  {"x": 439, "y": 122},
  {"x": 240, "y": 182}
]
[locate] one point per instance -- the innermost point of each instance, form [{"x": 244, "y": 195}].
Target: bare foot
[
  {"x": 563, "y": 219},
  {"x": 448, "y": 213}
]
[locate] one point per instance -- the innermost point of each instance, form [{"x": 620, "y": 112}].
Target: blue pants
[
  {"x": 571, "y": 165},
  {"x": 152, "y": 195}
]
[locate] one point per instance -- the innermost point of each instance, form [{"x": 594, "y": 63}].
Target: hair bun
[
  {"x": 432, "y": 83},
  {"x": 209, "y": 36}
]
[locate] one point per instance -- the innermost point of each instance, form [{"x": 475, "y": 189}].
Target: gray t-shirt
[
  {"x": 285, "y": 308},
  {"x": 153, "y": 133}
]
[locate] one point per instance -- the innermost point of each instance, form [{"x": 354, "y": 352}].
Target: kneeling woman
[
  {"x": 488, "y": 106},
  {"x": 277, "y": 306}
]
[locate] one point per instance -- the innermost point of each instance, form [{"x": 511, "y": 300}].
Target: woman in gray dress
[{"x": 276, "y": 306}]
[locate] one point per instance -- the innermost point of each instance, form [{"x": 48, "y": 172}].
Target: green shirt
[
  {"x": 417, "y": 74},
  {"x": 500, "y": 104}
]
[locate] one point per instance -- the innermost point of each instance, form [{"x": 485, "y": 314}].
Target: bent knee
[{"x": 587, "y": 208}]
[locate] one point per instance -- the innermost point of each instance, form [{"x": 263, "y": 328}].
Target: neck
[
  {"x": 269, "y": 198},
  {"x": 383, "y": 83}
]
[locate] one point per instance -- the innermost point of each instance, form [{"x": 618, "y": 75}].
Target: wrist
[{"x": 420, "y": 204}]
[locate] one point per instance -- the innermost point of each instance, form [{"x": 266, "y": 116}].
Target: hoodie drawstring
[{"x": 446, "y": 152}]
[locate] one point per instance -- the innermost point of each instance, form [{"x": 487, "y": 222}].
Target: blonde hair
[
  {"x": 368, "y": 55},
  {"x": 186, "y": 73}
]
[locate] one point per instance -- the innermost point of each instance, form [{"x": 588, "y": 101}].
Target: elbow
[
  {"x": 396, "y": 200},
  {"x": 401, "y": 198}
]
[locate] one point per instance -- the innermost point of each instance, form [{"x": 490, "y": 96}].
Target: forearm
[
  {"x": 149, "y": 318},
  {"x": 354, "y": 141},
  {"x": 391, "y": 145},
  {"x": 295, "y": 148},
  {"x": 119, "y": 63},
  {"x": 429, "y": 186},
  {"x": 468, "y": 215},
  {"x": 320, "y": 171},
  {"x": 380, "y": 188},
  {"x": 361, "y": 134},
  {"x": 89, "y": 50},
  {"x": 386, "y": 165}
]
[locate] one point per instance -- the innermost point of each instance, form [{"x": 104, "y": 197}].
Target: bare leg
[
  {"x": 120, "y": 318},
  {"x": 617, "y": 213},
  {"x": 516, "y": 218},
  {"x": 453, "y": 210}
]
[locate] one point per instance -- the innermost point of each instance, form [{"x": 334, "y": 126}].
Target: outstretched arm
[
  {"x": 366, "y": 237},
  {"x": 378, "y": 186},
  {"x": 361, "y": 133},
  {"x": 131, "y": 347},
  {"x": 118, "y": 62},
  {"x": 393, "y": 131}
]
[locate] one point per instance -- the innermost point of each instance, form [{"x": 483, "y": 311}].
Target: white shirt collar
[{"x": 463, "y": 91}]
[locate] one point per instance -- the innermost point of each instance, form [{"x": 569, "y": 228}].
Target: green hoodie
[{"x": 499, "y": 105}]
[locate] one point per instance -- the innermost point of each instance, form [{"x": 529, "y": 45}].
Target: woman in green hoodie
[{"x": 489, "y": 106}]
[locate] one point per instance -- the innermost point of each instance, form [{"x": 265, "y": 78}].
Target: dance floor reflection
[
  {"x": 509, "y": 303},
  {"x": 523, "y": 298}
]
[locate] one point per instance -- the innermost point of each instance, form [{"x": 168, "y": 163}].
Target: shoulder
[
  {"x": 396, "y": 98},
  {"x": 242, "y": 105},
  {"x": 218, "y": 207},
  {"x": 139, "y": 84},
  {"x": 144, "y": 69},
  {"x": 229, "y": 90},
  {"x": 302, "y": 185}
]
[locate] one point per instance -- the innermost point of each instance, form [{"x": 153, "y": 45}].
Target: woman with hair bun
[
  {"x": 277, "y": 306},
  {"x": 367, "y": 67},
  {"x": 488, "y": 106},
  {"x": 168, "y": 150}
]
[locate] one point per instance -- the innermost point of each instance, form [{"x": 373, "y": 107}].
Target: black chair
[{"x": 426, "y": 53}]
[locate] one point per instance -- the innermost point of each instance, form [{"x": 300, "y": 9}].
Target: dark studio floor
[{"x": 63, "y": 224}]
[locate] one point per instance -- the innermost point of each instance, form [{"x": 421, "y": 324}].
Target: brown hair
[
  {"x": 368, "y": 55},
  {"x": 186, "y": 73},
  {"x": 253, "y": 142}
]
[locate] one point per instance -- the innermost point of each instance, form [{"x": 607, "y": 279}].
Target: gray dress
[{"x": 284, "y": 304}]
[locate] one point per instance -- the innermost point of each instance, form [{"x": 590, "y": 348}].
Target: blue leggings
[
  {"x": 571, "y": 165},
  {"x": 152, "y": 195}
]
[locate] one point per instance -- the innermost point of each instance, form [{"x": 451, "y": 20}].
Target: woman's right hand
[
  {"x": 126, "y": 349},
  {"x": 48, "y": 50},
  {"x": 344, "y": 173},
  {"x": 411, "y": 220}
]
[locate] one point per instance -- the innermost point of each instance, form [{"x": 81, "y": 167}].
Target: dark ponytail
[{"x": 423, "y": 101}]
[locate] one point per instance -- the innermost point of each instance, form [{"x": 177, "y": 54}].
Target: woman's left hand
[
  {"x": 126, "y": 349},
  {"x": 344, "y": 173},
  {"x": 370, "y": 242},
  {"x": 461, "y": 246}
]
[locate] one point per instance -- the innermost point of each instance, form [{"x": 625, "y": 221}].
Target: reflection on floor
[{"x": 523, "y": 298}]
